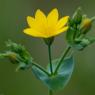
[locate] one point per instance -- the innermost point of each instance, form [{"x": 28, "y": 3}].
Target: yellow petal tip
[{"x": 55, "y": 9}]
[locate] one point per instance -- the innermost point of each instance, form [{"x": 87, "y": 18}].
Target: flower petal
[
  {"x": 33, "y": 32},
  {"x": 52, "y": 17},
  {"x": 45, "y": 27},
  {"x": 40, "y": 18},
  {"x": 61, "y": 30},
  {"x": 63, "y": 21},
  {"x": 30, "y": 21}
]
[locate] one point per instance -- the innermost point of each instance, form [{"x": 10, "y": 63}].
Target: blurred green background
[{"x": 12, "y": 22}]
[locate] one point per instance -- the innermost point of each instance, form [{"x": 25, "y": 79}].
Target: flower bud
[
  {"x": 13, "y": 57},
  {"x": 77, "y": 17},
  {"x": 86, "y": 25}
]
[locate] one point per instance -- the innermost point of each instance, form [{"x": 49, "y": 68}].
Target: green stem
[
  {"x": 50, "y": 61},
  {"x": 50, "y": 92},
  {"x": 62, "y": 58},
  {"x": 38, "y": 66}
]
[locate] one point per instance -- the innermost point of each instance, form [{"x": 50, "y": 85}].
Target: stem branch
[
  {"x": 38, "y": 66},
  {"x": 62, "y": 58}
]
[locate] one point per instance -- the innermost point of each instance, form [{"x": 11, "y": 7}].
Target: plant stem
[
  {"x": 50, "y": 92},
  {"x": 38, "y": 66},
  {"x": 62, "y": 58},
  {"x": 50, "y": 61}
]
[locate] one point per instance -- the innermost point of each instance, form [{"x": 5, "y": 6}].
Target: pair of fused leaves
[
  {"x": 17, "y": 54},
  {"x": 79, "y": 26},
  {"x": 58, "y": 80}
]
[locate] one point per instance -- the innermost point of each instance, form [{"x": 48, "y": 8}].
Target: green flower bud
[
  {"x": 77, "y": 17},
  {"x": 13, "y": 57}
]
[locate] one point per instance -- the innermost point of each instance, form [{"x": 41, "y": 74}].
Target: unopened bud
[
  {"x": 13, "y": 57},
  {"x": 86, "y": 25},
  {"x": 77, "y": 17}
]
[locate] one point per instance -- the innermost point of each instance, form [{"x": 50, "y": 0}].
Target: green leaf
[
  {"x": 41, "y": 75},
  {"x": 22, "y": 66},
  {"x": 83, "y": 43},
  {"x": 59, "y": 80}
]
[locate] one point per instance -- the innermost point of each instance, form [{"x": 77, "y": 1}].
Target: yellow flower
[{"x": 46, "y": 26}]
